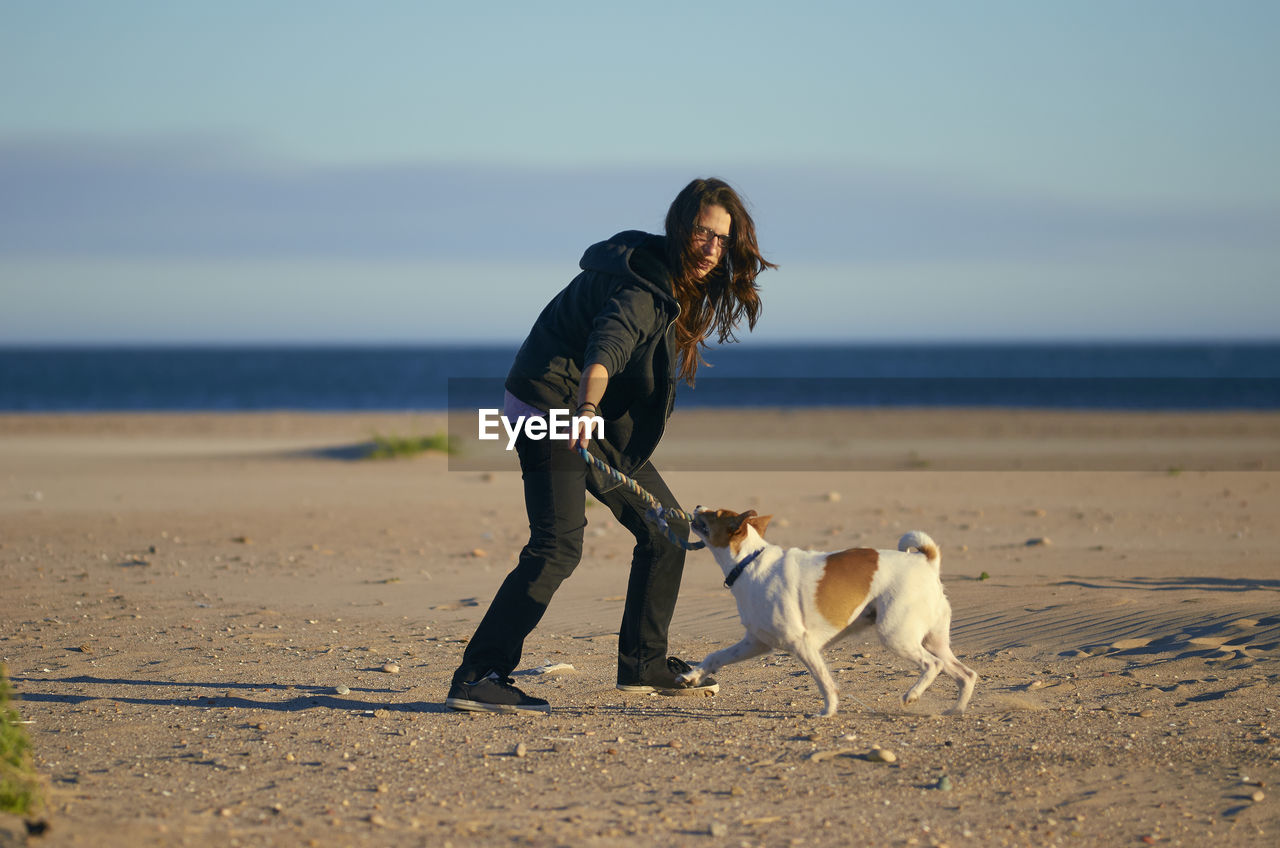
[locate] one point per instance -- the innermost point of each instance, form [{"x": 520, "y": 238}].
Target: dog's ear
[
  {"x": 760, "y": 522},
  {"x": 740, "y": 522}
]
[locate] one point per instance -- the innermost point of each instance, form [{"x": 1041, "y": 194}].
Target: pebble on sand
[
  {"x": 1039, "y": 542},
  {"x": 391, "y": 668},
  {"x": 882, "y": 755},
  {"x": 820, "y": 756},
  {"x": 342, "y": 690}
]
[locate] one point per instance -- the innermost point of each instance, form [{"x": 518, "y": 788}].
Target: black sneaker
[
  {"x": 494, "y": 694},
  {"x": 663, "y": 681}
]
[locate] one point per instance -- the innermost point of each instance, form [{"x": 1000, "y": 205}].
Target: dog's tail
[{"x": 918, "y": 540}]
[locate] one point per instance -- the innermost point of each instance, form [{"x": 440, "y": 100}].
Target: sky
[{"x": 422, "y": 172}]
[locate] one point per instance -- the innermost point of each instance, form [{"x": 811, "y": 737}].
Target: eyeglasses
[{"x": 702, "y": 235}]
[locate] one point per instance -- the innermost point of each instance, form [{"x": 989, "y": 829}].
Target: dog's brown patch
[
  {"x": 727, "y": 529},
  {"x": 846, "y": 583},
  {"x": 722, "y": 526}
]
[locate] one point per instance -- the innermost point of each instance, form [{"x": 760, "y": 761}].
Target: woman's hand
[
  {"x": 583, "y": 426},
  {"x": 595, "y": 379}
]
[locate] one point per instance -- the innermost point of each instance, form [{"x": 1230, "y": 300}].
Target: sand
[{"x": 226, "y": 630}]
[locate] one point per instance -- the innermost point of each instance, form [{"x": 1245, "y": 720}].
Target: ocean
[{"x": 1137, "y": 376}]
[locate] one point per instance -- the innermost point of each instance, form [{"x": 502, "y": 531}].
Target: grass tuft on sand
[
  {"x": 19, "y": 784},
  {"x": 394, "y": 447}
]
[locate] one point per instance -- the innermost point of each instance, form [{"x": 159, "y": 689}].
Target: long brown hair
[{"x": 719, "y": 301}]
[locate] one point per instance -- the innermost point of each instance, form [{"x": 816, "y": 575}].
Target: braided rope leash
[{"x": 656, "y": 513}]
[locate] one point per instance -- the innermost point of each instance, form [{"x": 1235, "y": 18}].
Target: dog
[{"x": 802, "y": 601}]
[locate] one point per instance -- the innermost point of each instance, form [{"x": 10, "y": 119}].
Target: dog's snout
[{"x": 699, "y": 522}]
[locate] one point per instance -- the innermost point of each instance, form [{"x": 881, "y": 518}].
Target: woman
[{"x": 613, "y": 344}]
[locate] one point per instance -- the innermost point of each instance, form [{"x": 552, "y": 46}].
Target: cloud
[{"x": 194, "y": 199}]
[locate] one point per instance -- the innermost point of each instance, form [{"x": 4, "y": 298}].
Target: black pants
[{"x": 555, "y": 487}]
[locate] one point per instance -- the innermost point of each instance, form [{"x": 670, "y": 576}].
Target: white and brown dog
[{"x": 801, "y": 601}]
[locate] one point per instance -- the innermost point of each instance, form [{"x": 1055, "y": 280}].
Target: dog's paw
[
  {"x": 689, "y": 678},
  {"x": 829, "y": 707}
]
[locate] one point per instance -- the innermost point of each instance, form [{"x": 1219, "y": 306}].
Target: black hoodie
[{"x": 618, "y": 312}]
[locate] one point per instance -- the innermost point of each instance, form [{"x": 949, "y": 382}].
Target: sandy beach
[{"x": 226, "y": 629}]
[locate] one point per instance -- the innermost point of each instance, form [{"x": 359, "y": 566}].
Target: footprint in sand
[
  {"x": 1209, "y": 641},
  {"x": 1100, "y": 650},
  {"x": 1129, "y": 644},
  {"x": 1237, "y": 641}
]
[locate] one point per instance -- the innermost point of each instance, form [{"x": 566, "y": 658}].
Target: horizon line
[{"x": 932, "y": 341}]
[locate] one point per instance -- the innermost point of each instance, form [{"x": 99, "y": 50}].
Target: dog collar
[{"x": 737, "y": 569}]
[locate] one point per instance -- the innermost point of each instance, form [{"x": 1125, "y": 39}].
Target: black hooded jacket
[{"x": 618, "y": 312}]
